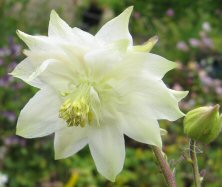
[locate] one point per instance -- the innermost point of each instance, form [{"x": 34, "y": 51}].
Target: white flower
[
  {"x": 3, "y": 179},
  {"x": 95, "y": 89}
]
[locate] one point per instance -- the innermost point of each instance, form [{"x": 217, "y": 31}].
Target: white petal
[
  {"x": 69, "y": 141},
  {"x": 117, "y": 28},
  {"x": 58, "y": 27},
  {"x": 23, "y": 71},
  {"x": 59, "y": 75},
  {"x": 36, "y": 42},
  {"x": 150, "y": 96},
  {"x": 86, "y": 40},
  {"x": 40, "y": 70},
  {"x": 179, "y": 95},
  {"x": 61, "y": 31},
  {"x": 38, "y": 76},
  {"x": 142, "y": 129},
  {"x": 162, "y": 104},
  {"x": 155, "y": 65},
  {"x": 100, "y": 61},
  {"x": 107, "y": 147},
  {"x": 40, "y": 116}
]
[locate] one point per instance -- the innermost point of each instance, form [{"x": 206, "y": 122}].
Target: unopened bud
[{"x": 203, "y": 124}]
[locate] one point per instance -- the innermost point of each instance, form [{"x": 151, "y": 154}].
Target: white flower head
[{"x": 95, "y": 89}]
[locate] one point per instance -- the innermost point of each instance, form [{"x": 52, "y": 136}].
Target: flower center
[
  {"x": 77, "y": 108},
  {"x": 76, "y": 112}
]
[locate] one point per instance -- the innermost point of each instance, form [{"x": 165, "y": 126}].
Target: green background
[{"x": 189, "y": 34}]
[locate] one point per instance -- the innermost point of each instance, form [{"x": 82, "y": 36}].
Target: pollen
[{"x": 75, "y": 112}]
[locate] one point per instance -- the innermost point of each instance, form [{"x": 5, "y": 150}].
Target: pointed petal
[
  {"x": 142, "y": 129},
  {"x": 151, "y": 96},
  {"x": 69, "y": 141},
  {"x": 136, "y": 63},
  {"x": 162, "y": 104},
  {"x": 155, "y": 65},
  {"x": 58, "y": 27},
  {"x": 60, "y": 30},
  {"x": 147, "y": 46},
  {"x": 36, "y": 42},
  {"x": 57, "y": 74},
  {"x": 107, "y": 147},
  {"x": 29, "y": 72},
  {"x": 179, "y": 95},
  {"x": 117, "y": 28},
  {"x": 23, "y": 70},
  {"x": 40, "y": 116}
]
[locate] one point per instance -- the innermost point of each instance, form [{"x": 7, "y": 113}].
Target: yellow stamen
[{"x": 75, "y": 112}]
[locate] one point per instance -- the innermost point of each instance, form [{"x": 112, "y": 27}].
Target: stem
[
  {"x": 165, "y": 168},
  {"x": 193, "y": 157}
]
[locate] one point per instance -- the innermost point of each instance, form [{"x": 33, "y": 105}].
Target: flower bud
[{"x": 203, "y": 124}]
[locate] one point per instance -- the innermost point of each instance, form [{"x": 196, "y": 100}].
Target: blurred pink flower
[
  {"x": 170, "y": 12},
  {"x": 11, "y": 116},
  {"x": 4, "y": 52},
  {"x": 205, "y": 79},
  {"x": 5, "y": 81},
  {"x": 217, "y": 82},
  {"x": 194, "y": 95},
  {"x": 16, "y": 50},
  {"x": 136, "y": 15},
  {"x": 177, "y": 87},
  {"x": 191, "y": 103},
  {"x": 208, "y": 42},
  {"x": 184, "y": 105},
  {"x": 219, "y": 90},
  {"x": 194, "y": 42},
  {"x": 19, "y": 85},
  {"x": 182, "y": 46},
  {"x": 14, "y": 140},
  {"x": 11, "y": 66}
]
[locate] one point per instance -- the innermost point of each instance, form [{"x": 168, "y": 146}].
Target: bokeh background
[{"x": 190, "y": 34}]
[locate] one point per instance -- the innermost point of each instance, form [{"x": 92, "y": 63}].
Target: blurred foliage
[{"x": 190, "y": 34}]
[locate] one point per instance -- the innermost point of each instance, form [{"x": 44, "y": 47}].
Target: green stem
[
  {"x": 165, "y": 168},
  {"x": 193, "y": 157}
]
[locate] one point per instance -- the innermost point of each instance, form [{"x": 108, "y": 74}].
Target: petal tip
[
  {"x": 174, "y": 64},
  {"x": 53, "y": 14},
  {"x": 129, "y": 9},
  {"x": 112, "y": 179},
  {"x": 127, "y": 12},
  {"x": 21, "y": 133},
  {"x": 23, "y": 36},
  {"x": 20, "y": 33},
  {"x": 186, "y": 93},
  {"x": 57, "y": 157}
]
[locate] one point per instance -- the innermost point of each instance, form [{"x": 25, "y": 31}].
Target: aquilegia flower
[{"x": 95, "y": 89}]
